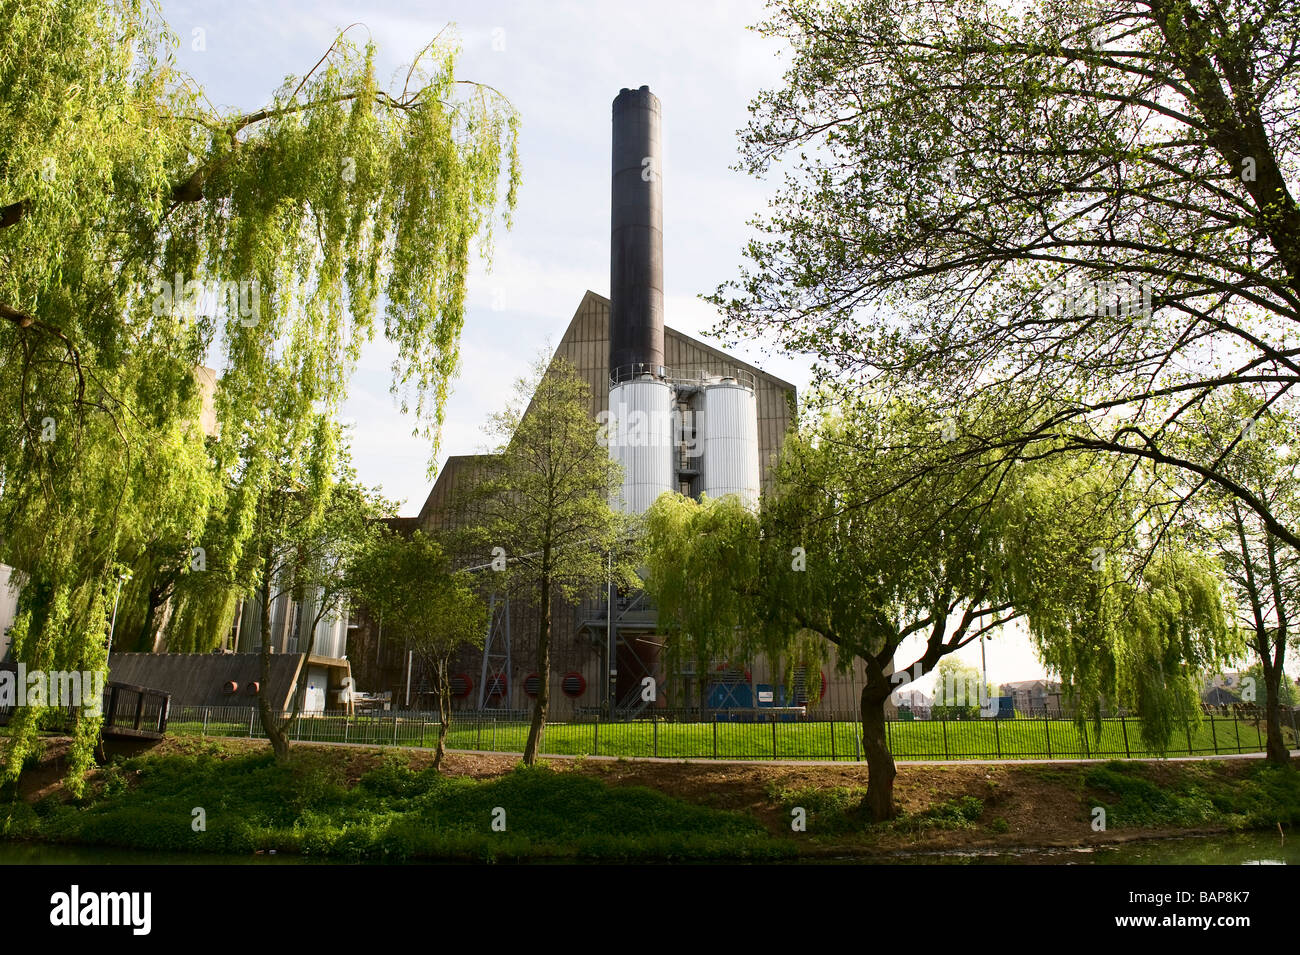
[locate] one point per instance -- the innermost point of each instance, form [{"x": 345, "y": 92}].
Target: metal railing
[
  {"x": 782, "y": 735},
  {"x": 128, "y": 710}
]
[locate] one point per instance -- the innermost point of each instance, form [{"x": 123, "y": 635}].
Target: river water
[{"x": 1253, "y": 848}]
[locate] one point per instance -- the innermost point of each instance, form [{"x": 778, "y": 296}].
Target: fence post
[
  {"x": 1123, "y": 725},
  {"x": 944, "y": 724},
  {"x": 997, "y": 737},
  {"x": 774, "y": 739},
  {"x": 394, "y": 727},
  {"x": 1259, "y": 737},
  {"x": 1047, "y": 731},
  {"x": 478, "y": 733},
  {"x": 832, "y": 739},
  {"x": 1236, "y": 725},
  {"x": 1214, "y": 736},
  {"x": 1187, "y": 726},
  {"x": 205, "y": 720},
  {"x": 595, "y": 737},
  {"x": 857, "y": 744},
  {"x": 494, "y": 734},
  {"x": 715, "y": 735},
  {"x": 656, "y": 726},
  {"x": 250, "y": 722},
  {"x": 347, "y": 723}
]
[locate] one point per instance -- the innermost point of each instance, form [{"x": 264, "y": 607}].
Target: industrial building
[{"x": 706, "y": 423}]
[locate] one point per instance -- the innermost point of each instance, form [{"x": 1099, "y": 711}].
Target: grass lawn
[{"x": 976, "y": 739}]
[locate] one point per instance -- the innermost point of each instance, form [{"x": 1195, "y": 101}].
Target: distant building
[
  {"x": 1034, "y": 697},
  {"x": 914, "y": 702},
  {"x": 232, "y": 679}
]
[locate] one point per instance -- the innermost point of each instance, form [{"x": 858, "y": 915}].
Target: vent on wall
[
  {"x": 461, "y": 684},
  {"x": 573, "y": 685}
]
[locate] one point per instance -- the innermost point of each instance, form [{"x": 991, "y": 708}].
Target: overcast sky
[{"x": 561, "y": 64}]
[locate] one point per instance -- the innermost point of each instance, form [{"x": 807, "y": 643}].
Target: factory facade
[{"x": 681, "y": 417}]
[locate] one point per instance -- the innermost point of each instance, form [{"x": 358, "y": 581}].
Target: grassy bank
[{"x": 351, "y": 804}]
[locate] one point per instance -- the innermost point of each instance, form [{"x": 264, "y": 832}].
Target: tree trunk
[
  {"x": 880, "y": 762},
  {"x": 444, "y": 711},
  {"x": 1276, "y": 750},
  {"x": 146, "y": 643},
  {"x": 274, "y": 733},
  {"x": 538, "y": 726}
]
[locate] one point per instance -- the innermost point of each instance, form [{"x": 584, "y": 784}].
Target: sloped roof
[
  {"x": 585, "y": 344},
  {"x": 199, "y": 679}
]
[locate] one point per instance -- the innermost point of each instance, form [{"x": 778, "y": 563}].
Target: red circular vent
[
  {"x": 532, "y": 683},
  {"x": 461, "y": 685},
  {"x": 231, "y": 688},
  {"x": 728, "y": 669},
  {"x": 253, "y": 688},
  {"x": 573, "y": 685}
]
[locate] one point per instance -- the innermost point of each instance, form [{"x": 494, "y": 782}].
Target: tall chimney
[{"x": 636, "y": 247}]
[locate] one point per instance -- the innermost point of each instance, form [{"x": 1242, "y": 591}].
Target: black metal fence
[
  {"x": 128, "y": 711},
  {"x": 747, "y": 735}
]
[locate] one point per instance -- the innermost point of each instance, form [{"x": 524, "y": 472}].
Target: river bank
[{"x": 348, "y": 804}]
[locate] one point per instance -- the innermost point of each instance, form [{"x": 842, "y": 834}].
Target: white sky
[{"x": 562, "y": 65}]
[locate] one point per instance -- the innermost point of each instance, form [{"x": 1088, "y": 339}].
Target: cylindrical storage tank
[
  {"x": 641, "y": 439},
  {"x": 728, "y": 434}
]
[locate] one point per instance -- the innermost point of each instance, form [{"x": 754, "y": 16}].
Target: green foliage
[
  {"x": 409, "y": 581},
  {"x": 546, "y": 492},
  {"x": 957, "y": 692},
  {"x": 1262, "y": 797},
  {"x": 960, "y": 813},
  {"x": 1286, "y": 690},
  {"x": 542, "y": 512},
  {"x": 256, "y": 803},
  {"x": 850, "y": 549},
  {"x": 1074, "y": 215},
  {"x": 136, "y": 190}
]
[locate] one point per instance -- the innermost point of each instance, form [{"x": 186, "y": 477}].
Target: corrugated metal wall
[{"x": 585, "y": 345}]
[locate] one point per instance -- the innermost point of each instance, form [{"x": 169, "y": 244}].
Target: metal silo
[{"x": 728, "y": 424}]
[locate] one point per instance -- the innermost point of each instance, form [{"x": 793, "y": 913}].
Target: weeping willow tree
[
  {"x": 142, "y": 230},
  {"x": 704, "y": 564},
  {"x": 845, "y": 553},
  {"x": 1137, "y": 630}
]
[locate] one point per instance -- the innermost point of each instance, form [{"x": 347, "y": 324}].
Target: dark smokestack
[{"x": 636, "y": 246}]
